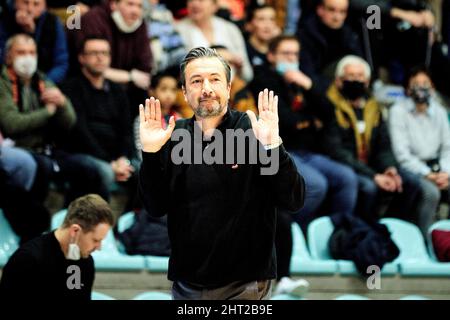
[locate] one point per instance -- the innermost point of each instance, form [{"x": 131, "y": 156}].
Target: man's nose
[{"x": 207, "y": 88}]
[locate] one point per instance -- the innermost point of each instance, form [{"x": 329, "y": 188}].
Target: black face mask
[
  {"x": 420, "y": 95},
  {"x": 353, "y": 90}
]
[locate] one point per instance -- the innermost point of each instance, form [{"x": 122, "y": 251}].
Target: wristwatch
[{"x": 273, "y": 145}]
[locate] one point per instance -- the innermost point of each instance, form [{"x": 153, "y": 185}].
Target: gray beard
[{"x": 203, "y": 112}]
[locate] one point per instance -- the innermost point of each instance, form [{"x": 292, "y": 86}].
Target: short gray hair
[
  {"x": 12, "y": 40},
  {"x": 203, "y": 52},
  {"x": 351, "y": 59}
]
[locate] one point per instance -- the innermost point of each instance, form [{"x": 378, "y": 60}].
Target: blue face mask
[{"x": 283, "y": 67}]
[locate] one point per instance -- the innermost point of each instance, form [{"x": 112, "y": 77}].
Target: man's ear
[
  {"x": 338, "y": 82},
  {"x": 229, "y": 90},
  {"x": 183, "y": 89},
  {"x": 113, "y": 5},
  {"x": 271, "y": 57},
  {"x": 319, "y": 10},
  {"x": 74, "y": 230}
]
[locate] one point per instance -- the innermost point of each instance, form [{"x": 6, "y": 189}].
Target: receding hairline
[{"x": 204, "y": 58}]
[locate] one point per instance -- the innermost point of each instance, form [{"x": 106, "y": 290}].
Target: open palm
[
  {"x": 266, "y": 126},
  {"x": 151, "y": 132}
]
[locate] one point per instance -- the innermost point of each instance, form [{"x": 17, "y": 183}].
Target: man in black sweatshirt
[
  {"x": 58, "y": 266},
  {"x": 221, "y": 216}
]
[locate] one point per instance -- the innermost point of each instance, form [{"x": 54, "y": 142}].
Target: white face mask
[
  {"x": 122, "y": 25},
  {"x": 74, "y": 252},
  {"x": 25, "y": 66}
]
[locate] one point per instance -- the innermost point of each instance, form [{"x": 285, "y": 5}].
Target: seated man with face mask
[
  {"x": 420, "y": 135},
  {"x": 363, "y": 143},
  {"x": 58, "y": 265}
]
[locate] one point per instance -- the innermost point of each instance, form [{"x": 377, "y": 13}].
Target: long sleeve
[
  {"x": 383, "y": 157},
  {"x": 60, "y": 55},
  {"x": 401, "y": 144},
  {"x": 335, "y": 149},
  {"x": 153, "y": 184},
  {"x": 287, "y": 185},
  {"x": 12, "y": 121},
  {"x": 444, "y": 158}
]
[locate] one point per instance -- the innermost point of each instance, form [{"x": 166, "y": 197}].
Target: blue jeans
[
  {"x": 19, "y": 166},
  {"x": 324, "y": 176}
]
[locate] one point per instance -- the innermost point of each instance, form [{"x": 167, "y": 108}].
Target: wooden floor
[{"x": 128, "y": 285}]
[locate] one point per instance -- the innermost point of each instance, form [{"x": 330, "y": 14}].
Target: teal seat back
[
  {"x": 319, "y": 232},
  {"x": 408, "y": 239},
  {"x": 9, "y": 241},
  {"x": 153, "y": 295}
]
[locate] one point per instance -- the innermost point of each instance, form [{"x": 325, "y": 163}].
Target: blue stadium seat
[
  {"x": 153, "y": 263},
  {"x": 100, "y": 296},
  {"x": 9, "y": 241},
  {"x": 301, "y": 261},
  {"x": 153, "y": 295},
  {"x": 414, "y": 297},
  {"x": 351, "y": 297},
  {"x": 285, "y": 297},
  {"x": 413, "y": 259},
  {"x": 109, "y": 257},
  {"x": 319, "y": 232}
]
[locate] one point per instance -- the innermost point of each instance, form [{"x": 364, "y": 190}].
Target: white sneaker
[{"x": 297, "y": 288}]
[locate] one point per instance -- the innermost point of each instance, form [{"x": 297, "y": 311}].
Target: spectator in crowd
[
  {"x": 103, "y": 131},
  {"x": 58, "y": 265},
  {"x": 305, "y": 114},
  {"x": 36, "y": 115},
  {"x": 164, "y": 87},
  {"x": 32, "y": 18},
  {"x": 419, "y": 129},
  {"x": 166, "y": 44},
  {"x": 262, "y": 28},
  {"x": 203, "y": 28},
  {"x": 325, "y": 39},
  {"x": 121, "y": 23},
  {"x": 17, "y": 164},
  {"x": 363, "y": 143},
  {"x": 406, "y": 28},
  {"x": 221, "y": 221},
  {"x": 60, "y": 7}
]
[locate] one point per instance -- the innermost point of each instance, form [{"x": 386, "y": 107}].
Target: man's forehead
[{"x": 205, "y": 66}]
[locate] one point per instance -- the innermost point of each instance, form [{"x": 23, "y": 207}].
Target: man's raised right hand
[{"x": 151, "y": 132}]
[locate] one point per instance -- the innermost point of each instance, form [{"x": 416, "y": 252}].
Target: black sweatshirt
[
  {"x": 104, "y": 127},
  {"x": 38, "y": 270},
  {"x": 221, "y": 220}
]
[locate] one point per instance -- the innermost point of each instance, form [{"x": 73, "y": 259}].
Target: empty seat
[
  {"x": 414, "y": 297},
  {"x": 9, "y": 241},
  {"x": 351, "y": 297},
  {"x": 413, "y": 259},
  {"x": 153, "y": 295},
  {"x": 319, "y": 233},
  {"x": 100, "y": 296},
  {"x": 285, "y": 297},
  {"x": 109, "y": 257},
  {"x": 301, "y": 261}
]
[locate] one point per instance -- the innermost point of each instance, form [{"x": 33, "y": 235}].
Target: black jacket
[
  {"x": 221, "y": 220},
  {"x": 296, "y": 106},
  {"x": 321, "y": 47},
  {"x": 103, "y": 128},
  {"x": 39, "y": 271}
]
